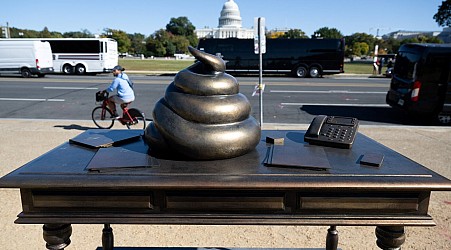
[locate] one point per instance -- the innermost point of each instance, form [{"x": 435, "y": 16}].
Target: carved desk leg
[
  {"x": 107, "y": 237},
  {"x": 390, "y": 238},
  {"x": 332, "y": 238},
  {"x": 57, "y": 236}
]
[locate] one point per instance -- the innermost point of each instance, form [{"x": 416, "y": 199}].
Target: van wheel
[
  {"x": 80, "y": 70},
  {"x": 314, "y": 72},
  {"x": 26, "y": 73},
  {"x": 301, "y": 72},
  {"x": 68, "y": 69},
  {"x": 444, "y": 119}
]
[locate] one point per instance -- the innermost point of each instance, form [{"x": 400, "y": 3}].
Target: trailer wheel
[
  {"x": 25, "y": 72},
  {"x": 314, "y": 72},
  {"x": 301, "y": 72},
  {"x": 68, "y": 69},
  {"x": 80, "y": 69}
]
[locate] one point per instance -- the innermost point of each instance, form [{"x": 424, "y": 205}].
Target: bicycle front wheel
[
  {"x": 138, "y": 119},
  {"x": 102, "y": 117}
]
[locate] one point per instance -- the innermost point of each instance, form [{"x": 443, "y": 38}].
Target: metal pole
[
  {"x": 260, "y": 77},
  {"x": 7, "y": 30}
]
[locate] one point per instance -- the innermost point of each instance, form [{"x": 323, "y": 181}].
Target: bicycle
[{"x": 103, "y": 117}]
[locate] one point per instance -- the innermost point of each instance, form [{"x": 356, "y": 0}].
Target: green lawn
[
  {"x": 155, "y": 64},
  {"x": 358, "y": 68},
  {"x": 177, "y": 65}
]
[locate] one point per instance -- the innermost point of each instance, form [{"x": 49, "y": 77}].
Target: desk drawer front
[
  {"x": 246, "y": 202},
  {"x": 225, "y": 203},
  {"x": 360, "y": 204},
  {"x": 94, "y": 201},
  {"x": 403, "y": 204},
  {"x": 86, "y": 201}
]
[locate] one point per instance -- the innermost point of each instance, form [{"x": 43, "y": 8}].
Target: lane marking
[
  {"x": 71, "y": 88},
  {"x": 328, "y": 92},
  {"x": 32, "y": 100},
  {"x": 335, "y": 104}
]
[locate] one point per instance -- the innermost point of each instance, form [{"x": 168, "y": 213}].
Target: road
[{"x": 285, "y": 100}]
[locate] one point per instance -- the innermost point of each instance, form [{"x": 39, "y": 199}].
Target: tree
[
  {"x": 181, "y": 44},
  {"x": 422, "y": 39},
  {"x": 123, "y": 42},
  {"x": 137, "y": 43},
  {"x": 275, "y": 34},
  {"x": 179, "y": 34},
  {"x": 180, "y": 26},
  {"x": 157, "y": 43},
  {"x": 78, "y": 34},
  {"x": 154, "y": 48},
  {"x": 443, "y": 15},
  {"x": 392, "y": 45},
  {"x": 326, "y": 32},
  {"x": 360, "y": 48},
  {"x": 351, "y": 40},
  {"x": 294, "y": 33},
  {"x": 193, "y": 40},
  {"x": 45, "y": 33}
]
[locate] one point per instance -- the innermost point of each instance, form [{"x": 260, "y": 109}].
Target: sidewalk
[{"x": 24, "y": 140}]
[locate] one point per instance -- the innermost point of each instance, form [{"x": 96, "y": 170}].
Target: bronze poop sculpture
[{"x": 202, "y": 115}]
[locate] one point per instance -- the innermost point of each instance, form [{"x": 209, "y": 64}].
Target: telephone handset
[{"x": 332, "y": 131}]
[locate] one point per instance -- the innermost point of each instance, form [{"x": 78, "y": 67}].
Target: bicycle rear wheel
[
  {"x": 138, "y": 119},
  {"x": 102, "y": 117}
]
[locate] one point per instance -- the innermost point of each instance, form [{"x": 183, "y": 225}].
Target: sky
[{"x": 148, "y": 16}]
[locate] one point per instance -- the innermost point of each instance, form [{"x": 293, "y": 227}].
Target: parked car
[{"x": 421, "y": 83}]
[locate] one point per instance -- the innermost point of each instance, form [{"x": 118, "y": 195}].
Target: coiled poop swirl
[{"x": 202, "y": 115}]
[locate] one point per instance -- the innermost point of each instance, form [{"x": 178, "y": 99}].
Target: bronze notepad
[{"x": 302, "y": 156}]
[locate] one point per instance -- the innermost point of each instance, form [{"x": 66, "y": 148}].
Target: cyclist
[{"x": 124, "y": 86}]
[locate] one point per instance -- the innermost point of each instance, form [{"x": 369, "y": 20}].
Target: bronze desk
[{"x": 57, "y": 190}]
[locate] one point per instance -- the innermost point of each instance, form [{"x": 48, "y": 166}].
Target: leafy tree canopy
[
  {"x": 123, "y": 41},
  {"x": 360, "y": 48},
  {"x": 46, "y": 33},
  {"x": 276, "y": 34},
  {"x": 79, "y": 34},
  {"x": 443, "y": 15},
  {"x": 295, "y": 33},
  {"x": 326, "y": 32},
  {"x": 180, "y": 26},
  {"x": 137, "y": 43}
]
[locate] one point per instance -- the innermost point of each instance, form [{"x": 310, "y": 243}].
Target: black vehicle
[
  {"x": 421, "y": 83},
  {"x": 300, "y": 57}
]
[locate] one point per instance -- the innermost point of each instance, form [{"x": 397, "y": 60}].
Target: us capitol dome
[{"x": 230, "y": 24}]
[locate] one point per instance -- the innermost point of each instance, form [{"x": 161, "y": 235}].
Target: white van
[{"x": 25, "y": 57}]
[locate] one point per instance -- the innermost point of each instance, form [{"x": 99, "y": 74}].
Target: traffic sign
[{"x": 259, "y": 35}]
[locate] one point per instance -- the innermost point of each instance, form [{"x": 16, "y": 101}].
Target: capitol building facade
[{"x": 230, "y": 24}]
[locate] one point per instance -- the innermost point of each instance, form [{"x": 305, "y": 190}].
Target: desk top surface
[{"x": 71, "y": 165}]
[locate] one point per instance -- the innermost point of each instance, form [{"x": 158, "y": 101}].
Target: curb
[{"x": 172, "y": 73}]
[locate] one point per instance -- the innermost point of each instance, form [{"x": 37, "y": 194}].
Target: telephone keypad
[
  {"x": 337, "y": 132},
  {"x": 334, "y": 132}
]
